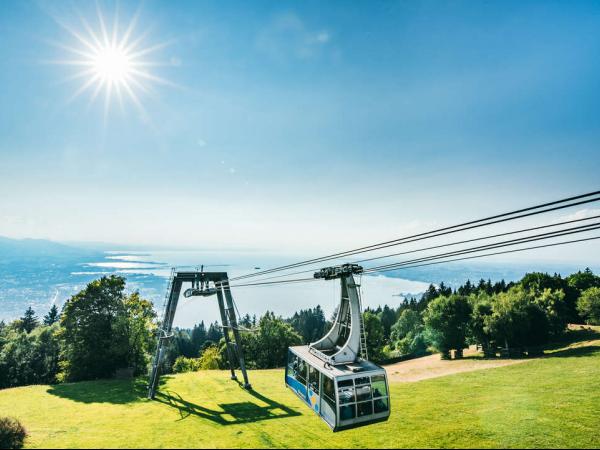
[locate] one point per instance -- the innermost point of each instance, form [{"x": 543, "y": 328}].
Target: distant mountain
[{"x": 20, "y": 249}]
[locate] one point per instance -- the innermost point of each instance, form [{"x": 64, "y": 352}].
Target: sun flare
[
  {"x": 113, "y": 65},
  {"x": 111, "y": 62}
]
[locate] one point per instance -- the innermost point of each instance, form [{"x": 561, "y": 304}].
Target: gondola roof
[{"x": 359, "y": 366}]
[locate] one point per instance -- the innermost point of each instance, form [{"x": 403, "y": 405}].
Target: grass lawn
[{"x": 549, "y": 402}]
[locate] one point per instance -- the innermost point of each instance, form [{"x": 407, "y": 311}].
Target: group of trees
[
  {"x": 265, "y": 344},
  {"x": 102, "y": 329},
  {"x": 187, "y": 345},
  {"x": 506, "y": 317}
]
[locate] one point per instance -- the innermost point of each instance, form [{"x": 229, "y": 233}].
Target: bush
[
  {"x": 407, "y": 334},
  {"x": 210, "y": 359},
  {"x": 183, "y": 364},
  {"x": 12, "y": 433}
]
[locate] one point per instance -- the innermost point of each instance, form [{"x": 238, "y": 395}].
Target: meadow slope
[{"x": 548, "y": 402}]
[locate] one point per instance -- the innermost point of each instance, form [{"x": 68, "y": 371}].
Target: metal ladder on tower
[
  {"x": 161, "y": 330},
  {"x": 363, "y": 336},
  {"x": 161, "y": 336}
]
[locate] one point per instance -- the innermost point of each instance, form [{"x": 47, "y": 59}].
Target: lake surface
[
  {"x": 42, "y": 282},
  {"x": 150, "y": 270}
]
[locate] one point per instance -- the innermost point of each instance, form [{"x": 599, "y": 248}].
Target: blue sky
[{"x": 301, "y": 125}]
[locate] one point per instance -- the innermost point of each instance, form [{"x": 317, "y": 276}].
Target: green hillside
[{"x": 548, "y": 402}]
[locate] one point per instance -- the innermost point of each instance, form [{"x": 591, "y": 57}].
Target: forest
[{"x": 104, "y": 331}]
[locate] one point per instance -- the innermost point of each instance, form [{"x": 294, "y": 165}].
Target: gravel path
[{"x": 432, "y": 366}]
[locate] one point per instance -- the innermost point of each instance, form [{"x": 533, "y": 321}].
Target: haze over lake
[
  {"x": 40, "y": 282},
  {"x": 148, "y": 272},
  {"x": 50, "y": 277}
]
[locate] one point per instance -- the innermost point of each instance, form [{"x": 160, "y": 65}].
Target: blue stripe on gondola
[{"x": 295, "y": 385}]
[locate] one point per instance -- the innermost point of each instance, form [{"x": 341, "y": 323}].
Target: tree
[
  {"x": 388, "y": 318},
  {"x": 582, "y": 281},
  {"x": 446, "y": 321},
  {"x": 429, "y": 294},
  {"x": 552, "y": 303},
  {"x": 538, "y": 281},
  {"x": 588, "y": 305},
  {"x": 407, "y": 333},
  {"x": 46, "y": 352},
  {"x": 444, "y": 290},
  {"x": 517, "y": 320},
  {"x": 275, "y": 336},
  {"x": 52, "y": 316},
  {"x": 93, "y": 340},
  {"x": 3, "y": 332},
  {"x": 170, "y": 354},
  {"x": 183, "y": 343},
  {"x": 102, "y": 329},
  {"x": 247, "y": 321},
  {"x": 198, "y": 337},
  {"x": 29, "y": 321},
  {"x": 375, "y": 335},
  {"x": 478, "y": 331},
  {"x": 29, "y": 358},
  {"x": 267, "y": 347},
  {"x": 577, "y": 284},
  {"x": 16, "y": 360},
  {"x": 138, "y": 322},
  {"x": 310, "y": 324},
  {"x": 214, "y": 332},
  {"x": 408, "y": 322},
  {"x": 466, "y": 289}
]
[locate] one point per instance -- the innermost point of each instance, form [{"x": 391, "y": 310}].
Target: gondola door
[
  {"x": 314, "y": 386},
  {"x": 297, "y": 375}
]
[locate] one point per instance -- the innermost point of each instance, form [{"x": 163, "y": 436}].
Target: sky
[{"x": 296, "y": 126}]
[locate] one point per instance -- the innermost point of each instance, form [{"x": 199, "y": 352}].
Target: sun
[
  {"x": 112, "y": 62},
  {"x": 113, "y": 65}
]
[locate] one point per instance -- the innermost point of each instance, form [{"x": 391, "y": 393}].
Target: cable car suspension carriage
[{"x": 333, "y": 375}]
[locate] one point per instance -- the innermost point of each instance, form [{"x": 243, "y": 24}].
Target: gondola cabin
[
  {"x": 344, "y": 395},
  {"x": 333, "y": 376}
]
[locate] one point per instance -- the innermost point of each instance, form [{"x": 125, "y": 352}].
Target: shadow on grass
[
  {"x": 557, "y": 349},
  {"x": 104, "y": 391},
  {"x": 575, "y": 352},
  {"x": 577, "y": 333},
  {"x": 229, "y": 413}
]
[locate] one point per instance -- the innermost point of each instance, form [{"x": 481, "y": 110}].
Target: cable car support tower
[{"x": 200, "y": 287}]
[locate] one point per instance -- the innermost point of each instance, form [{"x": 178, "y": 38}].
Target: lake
[{"x": 42, "y": 284}]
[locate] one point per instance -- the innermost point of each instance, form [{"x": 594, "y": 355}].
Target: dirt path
[{"x": 433, "y": 367}]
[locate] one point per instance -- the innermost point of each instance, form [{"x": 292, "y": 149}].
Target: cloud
[
  {"x": 323, "y": 37},
  {"x": 581, "y": 214},
  {"x": 288, "y": 36}
]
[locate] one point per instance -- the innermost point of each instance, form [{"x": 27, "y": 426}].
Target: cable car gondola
[{"x": 333, "y": 375}]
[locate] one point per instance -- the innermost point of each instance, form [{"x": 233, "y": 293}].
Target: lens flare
[
  {"x": 113, "y": 65},
  {"x": 112, "y": 62}
]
